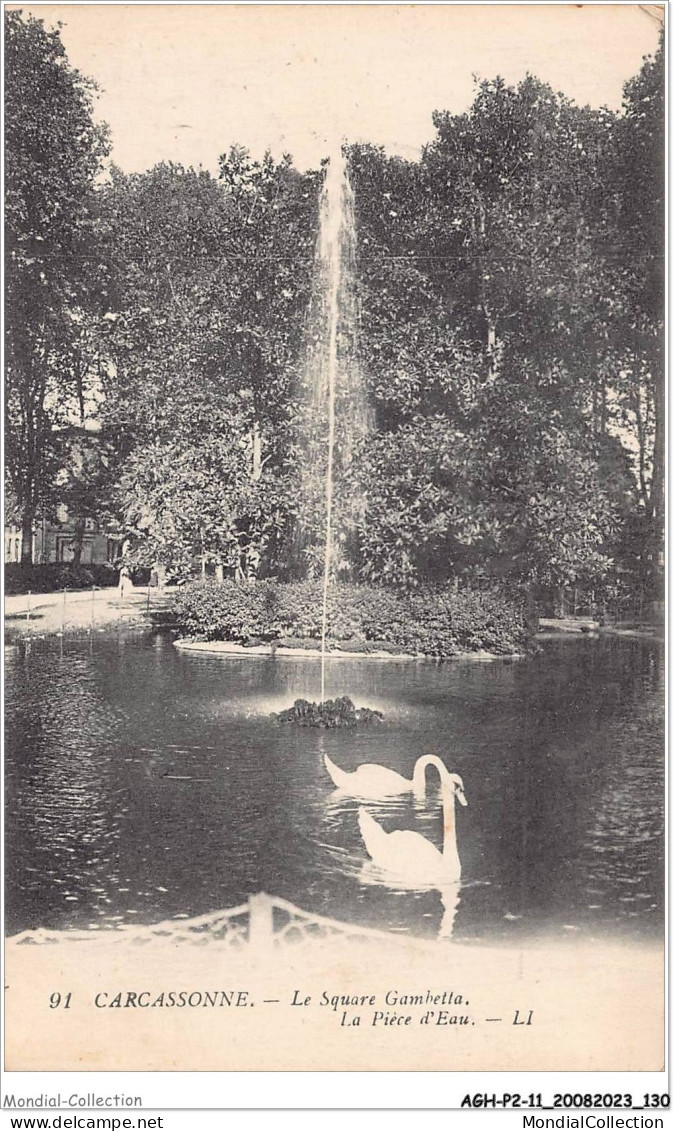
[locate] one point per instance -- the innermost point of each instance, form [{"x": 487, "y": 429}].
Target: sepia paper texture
[{"x": 562, "y": 1008}]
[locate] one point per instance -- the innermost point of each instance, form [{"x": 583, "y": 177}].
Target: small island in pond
[
  {"x": 340, "y": 712},
  {"x": 274, "y": 617}
]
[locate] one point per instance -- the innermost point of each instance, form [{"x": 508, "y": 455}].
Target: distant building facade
[
  {"x": 54, "y": 542},
  {"x": 54, "y": 538}
]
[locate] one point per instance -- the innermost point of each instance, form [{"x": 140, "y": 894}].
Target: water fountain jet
[{"x": 338, "y": 415}]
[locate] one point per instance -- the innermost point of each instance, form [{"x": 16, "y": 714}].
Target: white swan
[
  {"x": 409, "y": 858},
  {"x": 374, "y": 781}
]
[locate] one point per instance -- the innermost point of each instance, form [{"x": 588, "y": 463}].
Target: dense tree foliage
[
  {"x": 53, "y": 151},
  {"x": 501, "y": 309},
  {"x": 634, "y": 284},
  {"x": 509, "y": 289},
  {"x": 208, "y": 283}
]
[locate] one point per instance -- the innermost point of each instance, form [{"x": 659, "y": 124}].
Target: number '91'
[{"x": 57, "y": 1000}]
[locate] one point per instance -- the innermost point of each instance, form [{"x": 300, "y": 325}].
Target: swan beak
[{"x": 461, "y": 795}]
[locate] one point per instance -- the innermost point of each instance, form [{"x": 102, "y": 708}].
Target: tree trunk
[
  {"x": 492, "y": 345},
  {"x": 27, "y": 538},
  {"x": 658, "y": 455},
  {"x": 532, "y": 614},
  {"x": 78, "y": 542},
  {"x": 604, "y": 407},
  {"x": 256, "y": 439},
  {"x": 252, "y": 564}
]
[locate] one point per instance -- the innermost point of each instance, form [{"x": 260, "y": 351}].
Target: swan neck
[
  {"x": 422, "y": 765},
  {"x": 449, "y": 810}
]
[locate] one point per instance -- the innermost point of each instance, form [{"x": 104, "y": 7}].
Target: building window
[{"x": 63, "y": 549}]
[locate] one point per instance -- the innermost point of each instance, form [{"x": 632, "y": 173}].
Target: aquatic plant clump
[{"x": 340, "y": 712}]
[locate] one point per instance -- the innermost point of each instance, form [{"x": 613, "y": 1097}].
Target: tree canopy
[{"x": 53, "y": 152}]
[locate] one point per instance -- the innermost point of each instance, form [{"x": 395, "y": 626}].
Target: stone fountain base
[{"x": 340, "y": 712}]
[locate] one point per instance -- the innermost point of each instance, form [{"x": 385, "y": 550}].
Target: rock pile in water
[{"x": 340, "y": 712}]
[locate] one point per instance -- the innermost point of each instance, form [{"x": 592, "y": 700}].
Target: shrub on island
[{"x": 361, "y": 618}]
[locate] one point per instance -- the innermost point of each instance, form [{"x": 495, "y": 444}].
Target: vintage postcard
[{"x": 334, "y": 646}]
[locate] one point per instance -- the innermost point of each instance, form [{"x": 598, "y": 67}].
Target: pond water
[{"x": 145, "y": 783}]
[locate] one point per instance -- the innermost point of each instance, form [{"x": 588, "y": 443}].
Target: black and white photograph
[{"x": 334, "y": 401}]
